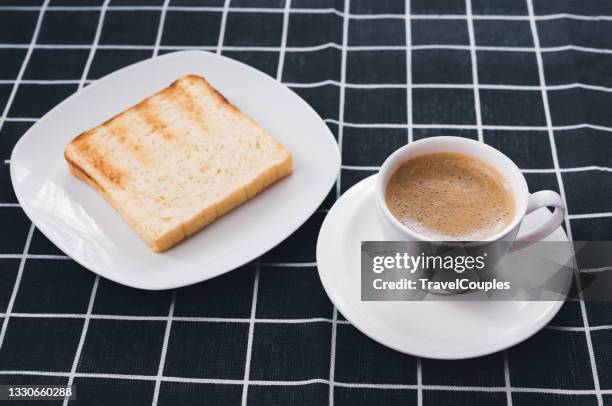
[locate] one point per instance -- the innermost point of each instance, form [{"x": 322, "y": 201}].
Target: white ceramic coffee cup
[{"x": 525, "y": 202}]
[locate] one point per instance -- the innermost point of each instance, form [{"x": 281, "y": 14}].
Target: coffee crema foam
[{"x": 450, "y": 196}]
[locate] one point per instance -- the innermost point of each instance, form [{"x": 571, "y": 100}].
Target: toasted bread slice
[{"x": 177, "y": 161}]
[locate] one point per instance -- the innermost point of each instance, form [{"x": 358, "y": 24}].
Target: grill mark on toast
[
  {"x": 106, "y": 169},
  {"x": 121, "y": 133},
  {"x": 150, "y": 114},
  {"x": 100, "y": 164},
  {"x": 186, "y": 104}
]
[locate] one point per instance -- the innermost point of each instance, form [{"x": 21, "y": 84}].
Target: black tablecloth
[{"x": 533, "y": 79}]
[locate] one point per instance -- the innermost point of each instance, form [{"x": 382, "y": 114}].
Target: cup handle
[{"x": 543, "y": 198}]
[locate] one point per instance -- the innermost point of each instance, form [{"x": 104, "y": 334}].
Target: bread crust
[
  {"x": 105, "y": 173},
  {"x": 78, "y": 172}
]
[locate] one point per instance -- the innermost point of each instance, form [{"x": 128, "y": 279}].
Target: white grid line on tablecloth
[
  {"x": 590, "y": 215},
  {"x": 342, "y": 96},
  {"x": 409, "y": 84},
  {"x": 468, "y": 86},
  {"x": 324, "y": 10},
  {"x": 222, "y": 27},
  {"x": 343, "y": 63},
  {"x": 175, "y": 318},
  {"x": 567, "y": 86},
  {"x": 409, "y": 128},
  {"x": 580, "y": 328},
  {"x": 164, "y": 349},
  {"x": 312, "y": 48},
  {"x": 419, "y": 385},
  {"x": 87, "y": 318},
  {"x": 94, "y": 289},
  {"x": 564, "y": 170},
  {"x": 196, "y": 319},
  {"x": 421, "y": 126},
  {"x": 214, "y": 381},
  {"x": 332, "y": 355},
  {"x": 526, "y": 170},
  {"x": 283, "y": 45},
  {"x": 34, "y": 256},
  {"x": 551, "y": 137},
  {"x": 160, "y": 29},
  {"x": 468, "y": 126},
  {"x": 598, "y": 269},
  {"x": 251, "y": 333},
  {"x": 507, "y": 381},
  {"x": 474, "y": 64}
]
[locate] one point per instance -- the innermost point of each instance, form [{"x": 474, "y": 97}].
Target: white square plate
[{"x": 83, "y": 225}]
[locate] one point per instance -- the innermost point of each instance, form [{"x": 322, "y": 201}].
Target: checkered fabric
[{"x": 532, "y": 78}]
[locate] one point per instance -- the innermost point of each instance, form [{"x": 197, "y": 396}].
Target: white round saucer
[{"x": 431, "y": 329}]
